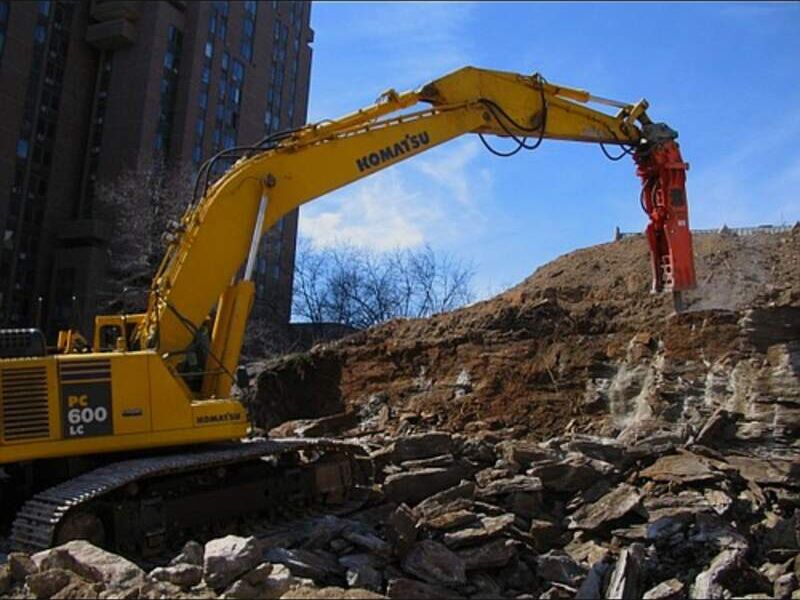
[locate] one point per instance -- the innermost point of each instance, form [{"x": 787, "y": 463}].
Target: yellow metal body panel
[
  {"x": 77, "y": 404},
  {"x": 233, "y": 310}
]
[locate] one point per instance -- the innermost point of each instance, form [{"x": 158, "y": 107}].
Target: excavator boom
[{"x": 217, "y": 233}]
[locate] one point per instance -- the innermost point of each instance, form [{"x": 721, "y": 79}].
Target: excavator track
[{"x": 121, "y": 492}]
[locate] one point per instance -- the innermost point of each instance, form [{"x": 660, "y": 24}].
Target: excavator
[{"x": 136, "y": 441}]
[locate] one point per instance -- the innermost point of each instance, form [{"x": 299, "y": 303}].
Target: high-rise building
[{"x": 92, "y": 88}]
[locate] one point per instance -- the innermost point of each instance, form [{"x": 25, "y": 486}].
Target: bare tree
[
  {"x": 356, "y": 287},
  {"x": 140, "y": 204}
]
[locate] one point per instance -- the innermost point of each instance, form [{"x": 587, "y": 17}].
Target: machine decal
[
  {"x": 86, "y": 409},
  {"x": 408, "y": 144},
  {"x": 221, "y": 418}
]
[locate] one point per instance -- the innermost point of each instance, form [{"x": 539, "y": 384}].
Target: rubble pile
[
  {"x": 493, "y": 515},
  {"x": 570, "y": 438}
]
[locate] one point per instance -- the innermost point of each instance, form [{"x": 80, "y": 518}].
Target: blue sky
[{"x": 725, "y": 75}]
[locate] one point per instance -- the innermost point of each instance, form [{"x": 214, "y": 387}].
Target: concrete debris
[{"x": 225, "y": 559}]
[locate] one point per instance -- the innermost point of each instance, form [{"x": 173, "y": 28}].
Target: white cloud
[
  {"x": 381, "y": 213},
  {"x": 428, "y": 200}
]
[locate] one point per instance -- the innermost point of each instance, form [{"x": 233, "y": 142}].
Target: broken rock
[
  {"x": 574, "y": 473},
  {"x": 671, "y": 589},
  {"x": 628, "y": 575},
  {"x": 487, "y": 528},
  {"x": 401, "y": 529},
  {"x": 21, "y": 566},
  {"x": 229, "y": 557},
  {"x": 614, "y": 505},
  {"x": 424, "y": 445},
  {"x": 729, "y": 574},
  {"x": 191, "y": 554},
  {"x": 319, "y": 566},
  {"x": 278, "y": 583},
  {"x": 594, "y": 582},
  {"x": 558, "y": 567},
  {"x": 414, "y": 486},
  {"x": 681, "y": 468},
  {"x": 369, "y": 542},
  {"x": 452, "y": 520},
  {"x": 183, "y": 575},
  {"x": 50, "y": 582},
  {"x": 523, "y": 453},
  {"x": 434, "y": 563},
  {"x": 492, "y": 555},
  {"x": 409, "y": 589},
  {"x": 91, "y": 563},
  {"x": 784, "y": 586},
  {"x": 432, "y": 506}
]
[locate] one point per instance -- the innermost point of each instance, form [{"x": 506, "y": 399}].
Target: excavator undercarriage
[{"x": 147, "y": 506}]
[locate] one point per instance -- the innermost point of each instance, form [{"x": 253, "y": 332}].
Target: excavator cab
[{"x": 114, "y": 333}]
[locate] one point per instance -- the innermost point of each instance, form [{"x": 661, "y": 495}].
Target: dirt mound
[{"x": 580, "y": 345}]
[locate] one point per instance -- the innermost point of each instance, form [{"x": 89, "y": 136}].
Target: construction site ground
[{"x": 572, "y": 437}]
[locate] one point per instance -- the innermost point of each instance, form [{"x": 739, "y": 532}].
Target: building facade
[{"x": 90, "y": 89}]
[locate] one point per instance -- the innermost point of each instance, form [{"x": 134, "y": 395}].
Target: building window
[
  {"x": 248, "y": 30},
  {"x": 34, "y": 153},
  {"x": 22, "y": 148},
  {"x": 272, "y": 117},
  {"x": 169, "y": 84},
  {"x": 5, "y": 8},
  {"x": 221, "y": 10}
]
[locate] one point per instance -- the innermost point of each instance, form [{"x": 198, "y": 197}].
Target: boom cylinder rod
[{"x": 251, "y": 258}]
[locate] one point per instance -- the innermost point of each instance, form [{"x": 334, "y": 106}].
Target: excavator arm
[{"x": 220, "y": 231}]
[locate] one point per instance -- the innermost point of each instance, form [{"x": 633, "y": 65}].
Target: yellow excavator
[{"x": 134, "y": 442}]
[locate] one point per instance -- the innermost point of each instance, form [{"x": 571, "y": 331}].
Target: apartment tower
[{"x": 92, "y": 88}]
